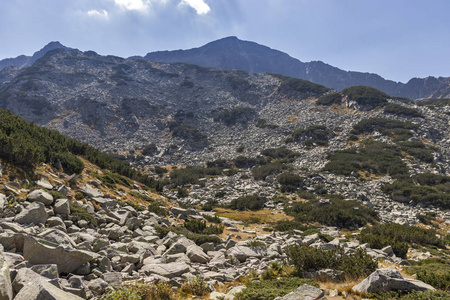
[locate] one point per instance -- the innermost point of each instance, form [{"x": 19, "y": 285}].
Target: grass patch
[
  {"x": 141, "y": 291},
  {"x": 270, "y": 289}
]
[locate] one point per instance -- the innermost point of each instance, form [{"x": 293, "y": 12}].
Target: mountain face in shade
[
  {"x": 233, "y": 53},
  {"x": 25, "y": 61}
]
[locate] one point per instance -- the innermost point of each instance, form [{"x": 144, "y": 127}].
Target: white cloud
[
  {"x": 97, "y": 13},
  {"x": 199, "y": 5},
  {"x": 141, "y": 5}
]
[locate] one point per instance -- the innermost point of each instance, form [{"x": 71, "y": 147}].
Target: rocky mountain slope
[
  {"x": 22, "y": 61},
  {"x": 232, "y": 53},
  {"x": 240, "y": 183}
]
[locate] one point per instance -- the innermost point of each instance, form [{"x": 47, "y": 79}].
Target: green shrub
[
  {"x": 195, "y": 286},
  {"x": 281, "y": 152},
  {"x": 405, "y": 190},
  {"x": 198, "y": 239},
  {"x": 149, "y": 149},
  {"x": 290, "y": 225},
  {"x": 250, "y": 202},
  {"x": 399, "y": 237},
  {"x": 413, "y": 295},
  {"x": 240, "y": 115},
  {"x": 366, "y": 96},
  {"x": 306, "y": 258},
  {"x": 270, "y": 289},
  {"x": 400, "y": 110},
  {"x": 82, "y": 213},
  {"x": 376, "y": 157},
  {"x": 158, "y": 208},
  {"x": 212, "y": 219},
  {"x": 291, "y": 85},
  {"x": 312, "y": 135},
  {"x": 386, "y": 127},
  {"x": 245, "y": 162},
  {"x": 436, "y": 274},
  {"x": 330, "y": 99},
  {"x": 141, "y": 291},
  {"x": 261, "y": 172},
  {"x": 290, "y": 179},
  {"x": 338, "y": 212},
  {"x": 199, "y": 226}
]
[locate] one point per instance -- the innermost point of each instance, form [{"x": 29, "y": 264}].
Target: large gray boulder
[
  {"x": 34, "y": 213},
  {"x": 196, "y": 254},
  {"x": 6, "y": 290},
  {"x": 90, "y": 191},
  {"x": 40, "y": 196},
  {"x": 31, "y": 286},
  {"x": 169, "y": 270},
  {"x": 242, "y": 253},
  {"x": 62, "y": 207},
  {"x": 68, "y": 259},
  {"x": 385, "y": 280},
  {"x": 304, "y": 292}
]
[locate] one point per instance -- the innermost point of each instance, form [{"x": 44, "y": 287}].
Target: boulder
[
  {"x": 242, "y": 253},
  {"x": 385, "y": 280},
  {"x": 35, "y": 213},
  {"x": 196, "y": 254},
  {"x": 62, "y": 207},
  {"x": 44, "y": 184},
  {"x": 38, "y": 251},
  {"x": 6, "y": 290},
  {"x": 169, "y": 270},
  {"x": 89, "y": 191},
  {"x": 40, "y": 196},
  {"x": 31, "y": 286},
  {"x": 304, "y": 292}
]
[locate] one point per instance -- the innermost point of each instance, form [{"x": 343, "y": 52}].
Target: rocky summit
[{"x": 219, "y": 184}]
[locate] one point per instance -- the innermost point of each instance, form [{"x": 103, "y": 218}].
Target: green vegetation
[
  {"x": 335, "y": 212},
  {"x": 392, "y": 128},
  {"x": 281, "y": 153},
  {"x": 402, "y": 111},
  {"x": 240, "y": 115},
  {"x": 141, "y": 291},
  {"x": 290, "y": 225},
  {"x": 270, "y": 289},
  {"x": 427, "y": 218},
  {"x": 330, "y": 99},
  {"x": 432, "y": 271},
  {"x": 212, "y": 219},
  {"x": 249, "y": 202},
  {"x": 149, "y": 149},
  {"x": 293, "y": 85},
  {"x": 413, "y": 295},
  {"x": 418, "y": 150},
  {"x": 306, "y": 258},
  {"x": 191, "y": 175},
  {"x": 81, "y": 213},
  {"x": 366, "y": 96},
  {"x": 199, "y": 226},
  {"x": 111, "y": 179},
  {"x": 399, "y": 237},
  {"x": 424, "y": 188},
  {"x": 290, "y": 182},
  {"x": 262, "y": 123},
  {"x": 188, "y": 133},
  {"x": 374, "y": 157},
  {"x": 261, "y": 172},
  {"x": 313, "y": 135},
  {"x": 434, "y": 103},
  {"x": 25, "y": 145},
  {"x": 198, "y": 239},
  {"x": 195, "y": 286}
]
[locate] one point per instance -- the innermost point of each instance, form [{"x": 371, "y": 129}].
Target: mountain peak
[{"x": 50, "y": 46}]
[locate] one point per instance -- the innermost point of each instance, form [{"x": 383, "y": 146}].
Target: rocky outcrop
[{"x": 385, "y": 280}]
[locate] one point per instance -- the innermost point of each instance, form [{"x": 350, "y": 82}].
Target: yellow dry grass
[{"x": 264, "y": 215}]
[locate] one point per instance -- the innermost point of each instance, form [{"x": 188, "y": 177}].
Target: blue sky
[{"x": 397, "y": 39}]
